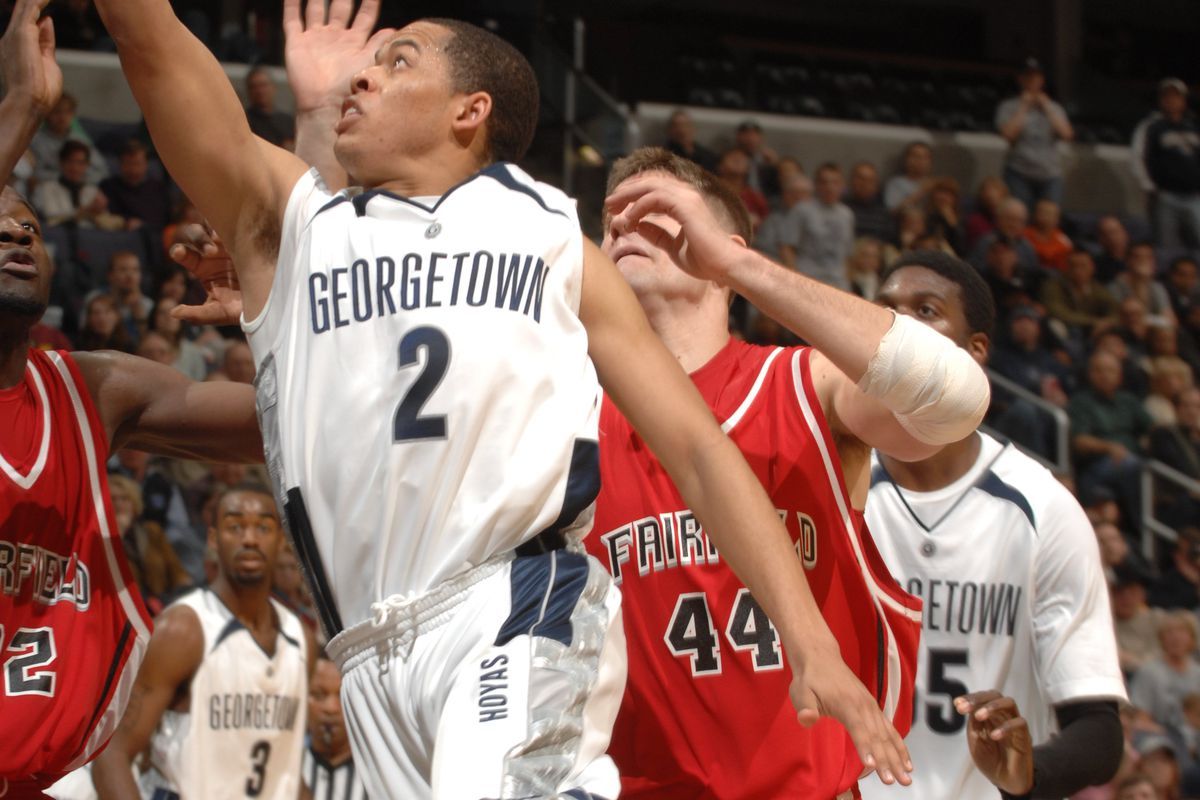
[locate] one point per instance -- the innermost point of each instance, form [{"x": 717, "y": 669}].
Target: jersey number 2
[
  {"x": 408, "y": 424},
  {"x": 25, "y": 670}
]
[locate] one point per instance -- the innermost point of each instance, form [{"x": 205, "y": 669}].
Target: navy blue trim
[
  {"x": 341, "y": 198},
  {"x": 539, "y": 608},
  {"x": 582, "y": 794},
  {"x": 117, "y": 661},
  {"x": 233, "y": 626},
  {"x": 310, "y": 558},
  {"x": 164, "y": 794},
  {"x": 500, "y": 172},
  {"x": 286, "y": 638},
  {"x": 992, "y": 484},
  {"x": 879, "y": 475},
  {"x": 583, "y": 484}
]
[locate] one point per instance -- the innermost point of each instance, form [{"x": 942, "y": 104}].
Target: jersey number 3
[
  {"x": 29, "y": 653},
  {"x": 408, "y": 424}
]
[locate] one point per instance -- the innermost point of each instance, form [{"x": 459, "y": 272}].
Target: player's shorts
[{"x": 502, "y": 682}]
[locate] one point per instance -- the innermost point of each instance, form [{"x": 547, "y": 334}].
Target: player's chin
[{"x": 249, "y": 576}]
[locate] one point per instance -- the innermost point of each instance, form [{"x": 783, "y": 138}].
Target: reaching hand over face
[{"x": 328, "y": 47}]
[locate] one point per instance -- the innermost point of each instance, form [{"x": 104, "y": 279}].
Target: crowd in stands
[{"x": 1098, "y": 316}]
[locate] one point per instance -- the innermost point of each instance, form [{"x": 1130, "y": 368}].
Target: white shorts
[{"x": 501, "y": 683}]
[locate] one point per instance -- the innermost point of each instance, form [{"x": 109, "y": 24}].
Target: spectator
[
  {"x": 155, "y": 347},
  {"x": 1047, "y": 239},
  {"x": 1116, "y": 342},
  {"x": 186, "y": 357},
  {"x": 942, "y": 216},
  {"x": 60, "y": 127},
  {"x": 1107, "y": 425},
  {"x": 762, "y": 175},
  {"x": 1184, "y": 289},
  {"x": 1114, "y": 248},
  {"x": 1136, "y": 622},
  {"x": 102, "y": 328},
  {"x": 77, "y": 26},
  {"x": 132, "y": 194},
  {"x": 864, "y": 265},
  {"x": 1011, "y": 219},
  {"x": 164, "y": 505},
  {"x": 1138, "y": 281},
  {"x": 125, "y": 288},
  {"x": 1179, "y": 586},
  {"x": 69, "y": 198},
  {"x": 238, "y": 365},
  {"x": 1166, "y": 149},
  {"x": 1136, "y": 787},
  {"x": 266, "y": 122},
  {"x": 780, "y": 223},
  {"x": 1033, "y": 123},
  {"x": 871, "y": 215},
  {"x": 155, "y": 565},
  {"x": 1170, "y": 377},
  {"x": 681, "y": 140},
  {"x": 733, "y": 168},
  {"x": 1077, "y": 299},
  {"x": 1159, "y": 762},
  {"x": 910, "y": 185},
  {"x": 982, "y": 220},
  {"x": 1011, "y": 285},
  {"x": 1177, "y": 444},
  {"x": 1162, "y": 682},
  {"x": 1024, "y": 359},
  {"x": 911, "y": 227},
  {"x": 820, "y": 243}
]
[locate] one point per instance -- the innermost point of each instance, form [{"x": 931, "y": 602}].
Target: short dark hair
[
  {"x": 480, "y": 61},
  {"x": 978, "y": 306},
  {"x": 1175, "y": 262},
  {"x": 829, "y": 166},
  {"x": 729, "y": 206},
  {"x": 246, "y": 487},
  {"x": 132, "y": 147},
  {"x": 73, "y": 146}
]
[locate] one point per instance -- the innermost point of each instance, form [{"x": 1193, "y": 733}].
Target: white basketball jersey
[
  {"x": 243, "y": 733},
  {"x": 424, "y": 389},
  {"x": 1015, "y": 600}
]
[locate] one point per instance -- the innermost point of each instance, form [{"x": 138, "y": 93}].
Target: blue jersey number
[{"x": 408, "y": 424}]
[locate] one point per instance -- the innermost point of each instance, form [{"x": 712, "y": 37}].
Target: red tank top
[
  {"x": 706, "y": 712},
  {"x": 72, "y": 626}
]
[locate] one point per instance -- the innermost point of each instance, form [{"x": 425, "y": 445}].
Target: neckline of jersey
[
  {"x": 41, "y": 403},
  {"x": 362, "y": 197},
  {"x": 958, "y": 488}
]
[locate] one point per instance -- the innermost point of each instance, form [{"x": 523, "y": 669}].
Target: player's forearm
[
  {"x": 847, "y": 329},
  {"x": 112, "y": 773},
  {"x": 18, "y": 123},
  {"x": 719, "y": 487},
  {"x": 314, "y": 144},
  {"x": 1086, "y": 752}
]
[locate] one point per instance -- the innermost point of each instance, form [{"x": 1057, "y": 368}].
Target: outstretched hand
[
  {"x": 674, "y": 216},
  {"x": 199, "y": 250},
  {"x": 825, "y": 687},
  {"x": 27, "y": 57},
  {"x": 999, "y": 740},
  {"x": 328, "y": 46}
]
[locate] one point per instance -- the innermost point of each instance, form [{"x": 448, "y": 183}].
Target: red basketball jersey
[
  {"x": 72, "y": 626},
  {"x": 706, "y": 711}
]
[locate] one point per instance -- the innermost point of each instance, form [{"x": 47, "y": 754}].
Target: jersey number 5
[
  {"x": 408, "y": 424},
  {"x": 31, "y": 651}
]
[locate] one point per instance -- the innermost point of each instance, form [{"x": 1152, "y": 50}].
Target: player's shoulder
[
  {"x": 1045, "y": 495},
  {"x": 291, "y": 628},
  {"x": 514, "y": 179}
]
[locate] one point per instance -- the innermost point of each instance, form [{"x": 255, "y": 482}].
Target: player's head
[
  {"x": 945, "y": 293},
  {"x": 246, "y": 535},
  {"x": 649, "y": 269},
  {"x": 441, "y": 88},
  {"x": 25, "y": 268},
  {"x": 326, "y": 724}
]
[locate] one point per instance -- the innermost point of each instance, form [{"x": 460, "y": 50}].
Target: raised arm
[
  {"x": 713, "y": 478},
  {"x": 174, "y": 653},
  {"x": 239, "y": 182},
  {"x": 862, "y": 346},
  {"x": 32, "y": 80},
  {"x": 149, "y": 406}
]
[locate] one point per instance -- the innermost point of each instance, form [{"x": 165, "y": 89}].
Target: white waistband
[{"x": 399, "y": 620}]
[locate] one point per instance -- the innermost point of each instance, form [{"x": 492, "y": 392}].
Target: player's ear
[
  {"x": 978, "y": 345},
  {"x": 738, "y": 239},
  {"x": 473, "y": 111}
]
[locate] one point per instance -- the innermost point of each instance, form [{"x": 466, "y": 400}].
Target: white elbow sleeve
[{"x": 936, "y": 390}]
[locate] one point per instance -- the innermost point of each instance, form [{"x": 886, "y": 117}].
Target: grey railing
[
  {"x": 1061, "y": 463},
  {"x": 1151, "y": 526}
]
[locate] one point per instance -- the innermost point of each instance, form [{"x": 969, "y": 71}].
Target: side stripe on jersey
[
  {"x": 736, "y": 416},
  {"x": 583, "y": 485},
  {"x": 892, "y": 700},
  {"x": 99, "y": 501},
  {"x": 26, "y": 481},
  {"x": 117, "y": 661},
  {"x": 310, "y": 558}
]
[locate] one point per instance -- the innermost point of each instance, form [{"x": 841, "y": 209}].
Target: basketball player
[
  {"x": 702, "y": 654},
  {"x": 221, "y": 697},
  {"x": 72, "y": 628},
  {"x": 425, "y": 381},
  {"x": 1009, "y": 569},
  {"x": 328, "y": 768}
]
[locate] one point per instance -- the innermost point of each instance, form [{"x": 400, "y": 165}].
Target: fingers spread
[
  {"x": 339, "y": 12},
  {"x": 314, "y": 13},
  {"x": 368, "y": 15},
  {"x": 291, "y": 18}
]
